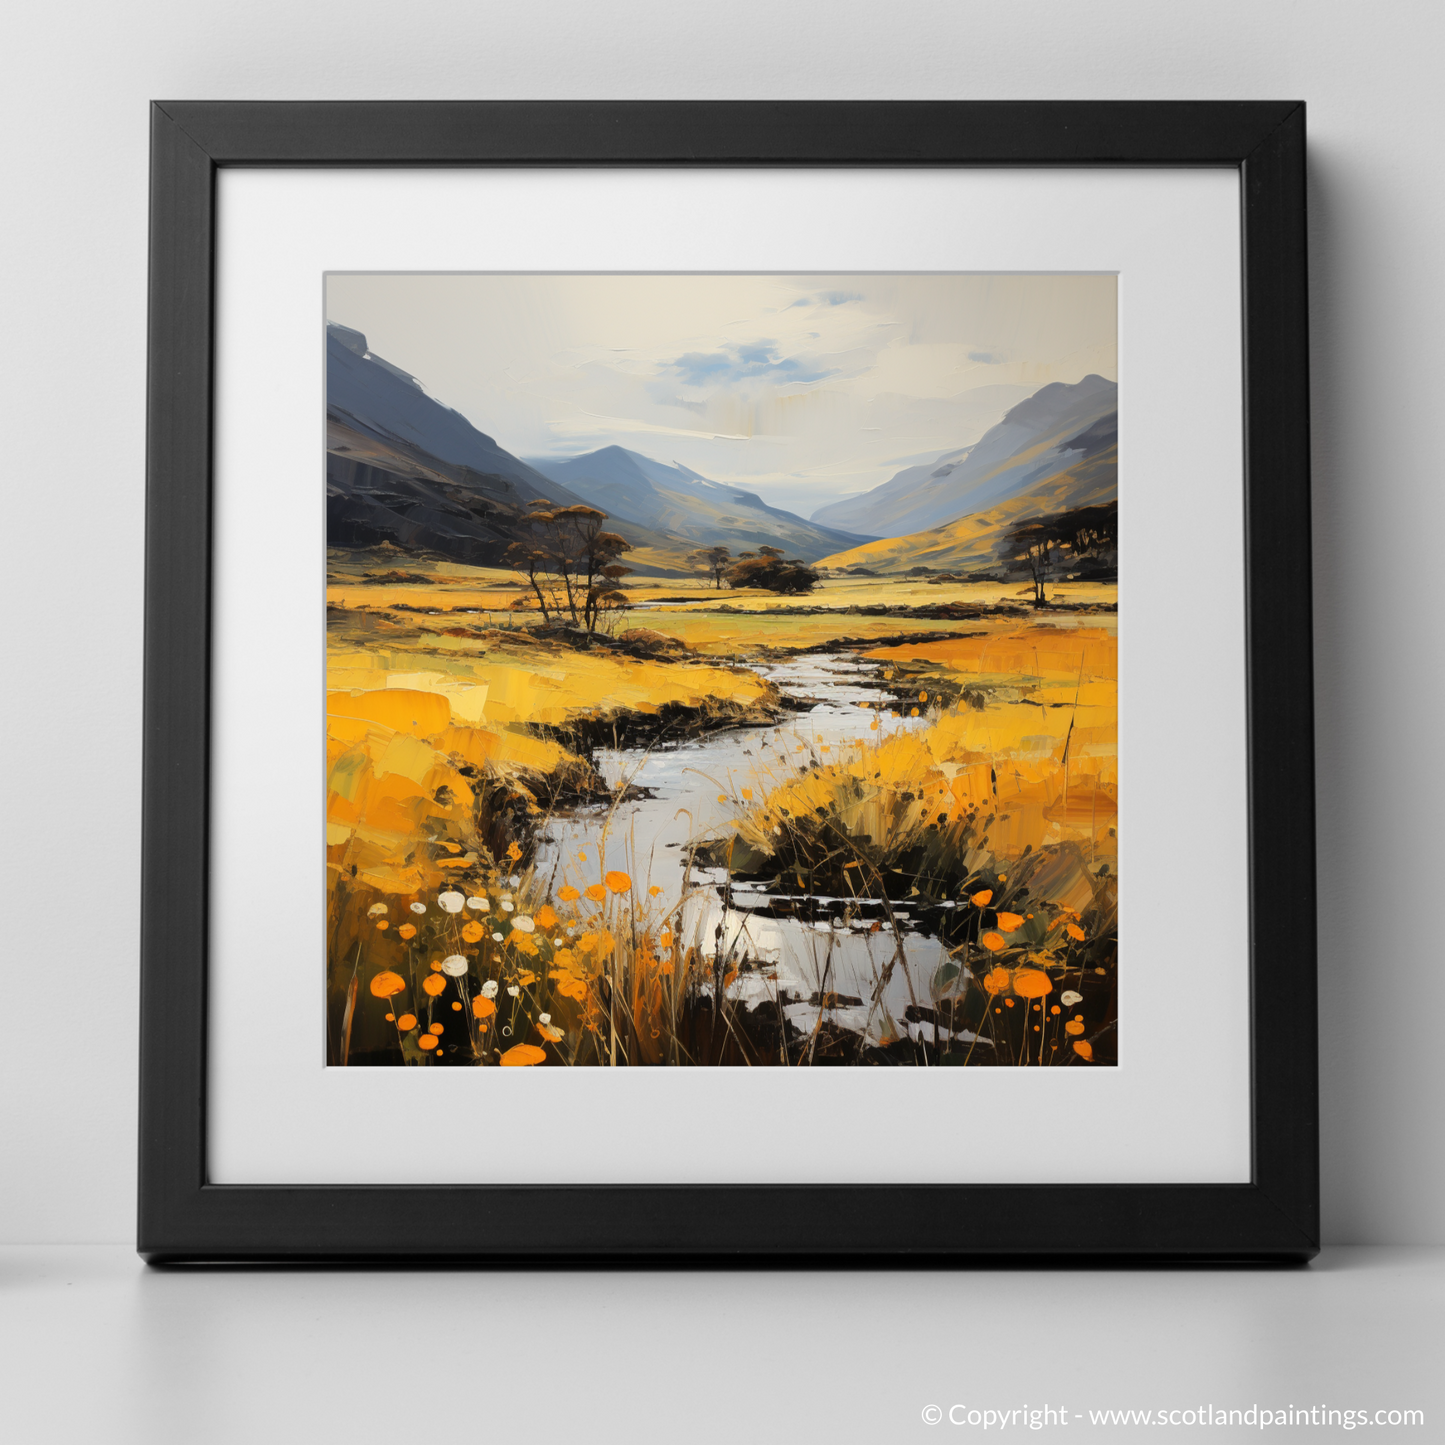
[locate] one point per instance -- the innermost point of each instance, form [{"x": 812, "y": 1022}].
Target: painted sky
[{"x": 802, "y": 388}]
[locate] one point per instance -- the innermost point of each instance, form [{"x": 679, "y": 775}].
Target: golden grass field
[{"x": 453, "y": 734}]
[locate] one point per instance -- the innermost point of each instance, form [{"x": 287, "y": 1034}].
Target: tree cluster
[
  {"x": 571, "y": 565},
  {"x": 715, "y": 561},
  {"x": 1040, "y": 545},
  {"x": 770, "y": 569}
]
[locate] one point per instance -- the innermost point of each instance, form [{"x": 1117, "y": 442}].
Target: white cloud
[{"x": 800, "y": 387}]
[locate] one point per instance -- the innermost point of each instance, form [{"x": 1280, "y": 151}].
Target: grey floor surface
[{"x": 96, "y": 1347}]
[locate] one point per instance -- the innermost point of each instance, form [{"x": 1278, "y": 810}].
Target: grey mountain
[
  {"x": 402, "y": 468},
  {"x": 1035, "y": 440},
  {"x": 671, "y": 498}
]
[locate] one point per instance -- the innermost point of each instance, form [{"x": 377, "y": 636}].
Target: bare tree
[
  {"x": 570, "y": 563},
  {"x": 713, "y": 560},
  {"x": 1032, "y": 543},
  {"x": 1038, "y": 544},
  {"x": 608, "y": 596},
  {"x": 531, "y": 561}
]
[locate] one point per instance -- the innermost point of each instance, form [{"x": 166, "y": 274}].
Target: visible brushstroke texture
[
  {"x": 627, "y": 766},
  {"x": 402, "y": 469},
  {"x": 1052, "y": 430},
  {"x": 675, "y": 500}
]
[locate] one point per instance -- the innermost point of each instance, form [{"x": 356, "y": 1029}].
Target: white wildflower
[
  {"x": 507, "y": 905},
  {"x": 544, "y": 1018},
  {"x": 523, "y": 924},
  {"x": 489, "y": 989},
  {"x": 1069, "y": 998},
  {"x": 451, "y": 900},
  {"x": 512, "y": 990},
  {"x": 454, "y": 965},
  {"x": 481, "y": 904},
  {"x": 418, "y": 907},
  {"x": 377, "y": 910}
]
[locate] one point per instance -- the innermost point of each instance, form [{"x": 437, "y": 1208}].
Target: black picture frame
[{"x": 183, "y": 1217}]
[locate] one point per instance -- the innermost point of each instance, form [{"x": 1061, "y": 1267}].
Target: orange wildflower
[
  {"x": 983, "y": 899},
  {"x": 617, "y": 882},
  {"x": 434, "y": 984},
  {"x": 993, "y": 942},
  {"x": 1032, "y": 983},
  {"x": 596, "y": 892},
  {"x": 472, "y": 932},
  {"x": 483, "y": 1008},
  {"x": 387, "y": 983},
  {"x": 522, "y": 1056},
  {"x": 568, "y": 894},
  {"x": 1010, "y": 922}
]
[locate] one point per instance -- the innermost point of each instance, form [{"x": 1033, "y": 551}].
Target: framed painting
[{"x": 728, "y": 681}]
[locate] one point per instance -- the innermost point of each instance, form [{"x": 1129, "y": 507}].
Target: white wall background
[{"x": 75, "y": 79}]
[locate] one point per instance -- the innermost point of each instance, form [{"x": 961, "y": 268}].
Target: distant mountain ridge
[
  {"x": 970, "y": 543},
  {"x": 1037, "y": 438},
  {"x": 674, "y": 499},
  {"x": 404, "y": 469}
]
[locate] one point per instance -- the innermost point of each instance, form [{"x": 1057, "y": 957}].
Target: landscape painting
[{"x": 721, "y": 671}]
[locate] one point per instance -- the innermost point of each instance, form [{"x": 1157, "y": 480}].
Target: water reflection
[{"x": 816, "y": 954}]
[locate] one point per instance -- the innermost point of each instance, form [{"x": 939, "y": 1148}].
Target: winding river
[{"x": 803, "y": 948}]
